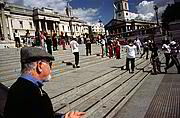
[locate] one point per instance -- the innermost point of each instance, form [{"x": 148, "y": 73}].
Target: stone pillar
[
  {"x": 54, "y": 26},
  {"x": 4, "y": 25},
  {"x": 46, "y": 28},
  {"x": 10, "y": 29},
  {"x": 40, "y": 28}
]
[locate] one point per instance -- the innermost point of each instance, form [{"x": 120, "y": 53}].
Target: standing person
[
  {"x": 106, "y": 45},
  {"x": 131, "y": 54},
  {"x": 118, "y": 50},
  {"x": 28, "y": 39},
  {"x": 26, "y": 98},
  {"x": 138, "y": 45},
  {"x": 102, "y": 46},
  {"x": 145, "y": 48},
  {"x": 42, "y": 40},
  {"x": 54, "y": 41},
  {"x": 49, "y": 44},
  {"x": 17, "y": 39},
  {"x": 88, "y": 46},
  {"x": 154, "y": 59},
  {"x": 110, "y": 48},
  {"x": 167, "y": 50},
  {"x": 114, "y": 47},
  {"x": 62, "y": 38},
  {"x": 75, "y": 50},
  {"x": 67, "y": 39},
  {"x": 37, "y": 36},
  {"x": 174, "y": 59}
]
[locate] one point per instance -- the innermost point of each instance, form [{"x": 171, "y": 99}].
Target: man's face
[{"x": 46, "y": 70}]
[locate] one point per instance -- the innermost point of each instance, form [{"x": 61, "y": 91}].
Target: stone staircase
[{"x": 100, "y": 87}]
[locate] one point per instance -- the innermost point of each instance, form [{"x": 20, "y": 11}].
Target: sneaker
[
  {"x": 77, "y": 66},
  {"x": 74, "y": 66}
]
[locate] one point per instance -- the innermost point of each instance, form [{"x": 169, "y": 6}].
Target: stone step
[{"x": 104, "y": 78}]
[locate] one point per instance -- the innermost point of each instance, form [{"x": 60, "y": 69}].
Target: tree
[{"x": 170, "y": 14}]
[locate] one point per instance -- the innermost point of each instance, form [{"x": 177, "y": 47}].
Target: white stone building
[
  {"x": 98, "y": 28},
  {"x": 14, "y": 17}
]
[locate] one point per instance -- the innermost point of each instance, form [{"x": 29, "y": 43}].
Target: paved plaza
[{"x": 101, "y": 87}]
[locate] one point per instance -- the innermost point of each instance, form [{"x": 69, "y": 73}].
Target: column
[
  {"x": 10, "y": 29},
  {"x": 54, "y": 26},
  {"x": 4, "y": 25},
  {"x": 46, "y": 28},
  {"x": 40, "y": 28}
]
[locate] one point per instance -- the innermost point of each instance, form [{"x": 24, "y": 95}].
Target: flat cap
[{"x": 32, "y": 54}]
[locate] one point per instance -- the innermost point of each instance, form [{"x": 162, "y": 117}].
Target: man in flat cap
[{"x": 26, "y": 98}]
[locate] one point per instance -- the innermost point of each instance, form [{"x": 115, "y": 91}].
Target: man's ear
[{"x": 39, "y": 67}]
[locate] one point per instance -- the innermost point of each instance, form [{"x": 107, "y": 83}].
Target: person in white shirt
[
  {"x": 138, "y": 44},
  {"x": 131, "y": 54},
  {"x": 167, "y": 50},
  {"x": 75, "y": 50}
]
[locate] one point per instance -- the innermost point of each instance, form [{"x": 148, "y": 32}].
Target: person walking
[
  {"x": 167, "y": 50},
  {"x": 49, "y": 44},
  {"x": 173, "y": 56},
  {"x": 131, "y": 54},
  {"x": 88, "y": 46},
  {"x": 118, "y": 56},
  {"x": 154, "y": 59},
  {"x": 75, "y": 50},
  {"x": 17, "y": 39},
  {"x": 26, "y": 97},
  {"x": 145, "y": 48}
]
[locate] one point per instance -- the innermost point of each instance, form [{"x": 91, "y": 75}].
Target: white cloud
[
  {"x": 145, "y": 10},
  {"x": 89, "y": 15}
]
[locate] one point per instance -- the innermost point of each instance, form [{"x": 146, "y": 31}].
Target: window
[
  {"x": 119, "y": 14},
  {"x": 68, "y": 28},
  {"x": 119, "y": 7},
  {"x": 126, "y": 6},
  {"x": 21, "y": 24},
  {"x": 11, "y": 23},
  {"x": 30, "y": 24},
  {"x": 126, "y": 14},
  {"x": 76, "y": 28},
  {"x": 63, "y": 27}
]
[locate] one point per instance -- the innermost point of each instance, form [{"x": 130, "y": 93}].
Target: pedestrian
[
  {"x": 88, "y": 46},
  {"x": 145, "y": 48},
  {"x": 37, "y": 36},
  {"x": 118, "y": 50},
  {"x": 110, "y": 48},
  {"x": 138, "y": 45},
  {"x": 62, "y": 38},
  {"x": 155, "y": 59},
  {"x": 167, "y": 50},
  {"x": 17, "y": 39},
  {"x": 28, "y": 38},
  {"x": 67, "y": 39},
  {"x": 26, "y": 98},
  {"x": 54, "y": 41},
  {"x": 49, "y": 44},
  {"x": 75, "y": 50},
  {"x": 42, "y": 39},
  {"x": 131, "y": 54},
  {"x": 102, "y": 46},
  {"x": 173, "y": 56}
]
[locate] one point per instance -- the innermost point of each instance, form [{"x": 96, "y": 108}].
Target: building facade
[
  {"x": 98, "y": 28},
  {"x": 122, "y": 26},
  {"x": 15, "y": 17}
]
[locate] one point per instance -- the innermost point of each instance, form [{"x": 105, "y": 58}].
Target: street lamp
[{"x": 156, "y": 10}]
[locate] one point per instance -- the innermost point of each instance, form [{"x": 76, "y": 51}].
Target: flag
[{"x": 114, "y": 6}]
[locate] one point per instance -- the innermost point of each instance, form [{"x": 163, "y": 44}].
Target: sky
[{"x": 92, "y": 10}]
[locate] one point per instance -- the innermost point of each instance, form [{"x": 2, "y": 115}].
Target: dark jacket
[{"x": 27, "y": 100}]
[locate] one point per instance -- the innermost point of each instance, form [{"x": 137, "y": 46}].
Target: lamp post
[{"x": 156, "y": 10}]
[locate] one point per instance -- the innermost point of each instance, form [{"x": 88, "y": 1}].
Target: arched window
[{"x": 126, "y": 6}]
